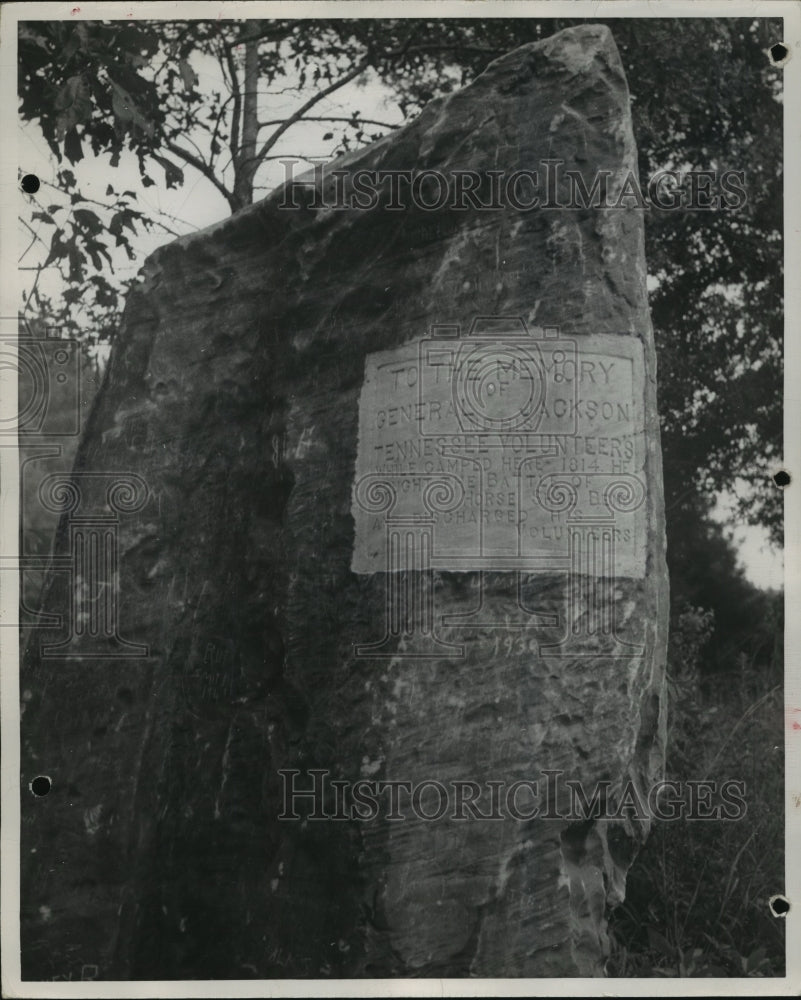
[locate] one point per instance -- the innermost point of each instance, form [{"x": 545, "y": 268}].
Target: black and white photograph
[{"x": 400, "y": 528}]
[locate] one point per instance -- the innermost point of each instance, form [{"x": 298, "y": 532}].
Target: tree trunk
[{"x": 245, "y": 162}]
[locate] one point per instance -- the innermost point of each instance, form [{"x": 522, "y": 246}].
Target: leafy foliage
[
  {"x": 84, "y": 84},
  {"x": 79, "y": 235},
  {"x": 697, "y": 896}
]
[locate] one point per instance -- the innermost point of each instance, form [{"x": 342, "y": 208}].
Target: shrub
[{"x": 697, "y": 901}]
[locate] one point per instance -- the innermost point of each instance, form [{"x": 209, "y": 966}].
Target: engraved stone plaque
[{"x": 507, "y": 449}]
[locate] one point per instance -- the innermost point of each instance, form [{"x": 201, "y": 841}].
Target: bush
[{"x": 697, "y": 901}]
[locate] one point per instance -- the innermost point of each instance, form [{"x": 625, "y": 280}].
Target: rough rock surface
[{"x": 233, "y": 392}]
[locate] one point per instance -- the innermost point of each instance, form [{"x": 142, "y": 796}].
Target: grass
[{"x": 697, "y": 902}]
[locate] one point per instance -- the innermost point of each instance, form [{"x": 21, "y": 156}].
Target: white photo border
[{"x": 790, "y": 985}]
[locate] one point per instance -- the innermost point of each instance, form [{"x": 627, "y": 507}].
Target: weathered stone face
[{"x": 262, "y": 375}]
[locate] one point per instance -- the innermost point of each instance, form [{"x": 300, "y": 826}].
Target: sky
[{"x": 197, "y": 204}]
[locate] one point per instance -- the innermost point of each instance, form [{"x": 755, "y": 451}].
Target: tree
[
  {"x": 705, "y": 97},
  {"x": 121, "y": 88}
]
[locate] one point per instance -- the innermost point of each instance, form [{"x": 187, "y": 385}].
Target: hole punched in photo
[
  {"x": 30, "y": 183},
  {"x": 41, "y": 785},
  {"x": 779, "y": 54},
  {"x": 779, "y": 906},
  {"x": 782, "y": 479}
]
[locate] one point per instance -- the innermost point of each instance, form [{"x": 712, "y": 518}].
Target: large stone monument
[{"x": 362, "y": 565}]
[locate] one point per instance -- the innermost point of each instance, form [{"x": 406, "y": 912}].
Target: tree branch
[
  {"x": 402, "y": 49},
  {"x": 147, "y": 223},
  {"x": 236, "y": 113},
  {"x": 27, "y": 249},
  {"x": 455, "y": 47},
  {"x": 190, "y": 140},
  {"x": 296, "y": 117},
  {"x": 214, "y": 134},
  {"x": 36, "y": 237},
  {"x": 145, "y": 220},
  {"x": 33, "y": 291},
  {"x": 332, "y": 118},
  {"x": 201, "y": 166},
  {"x": 273, "y": 32}
]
